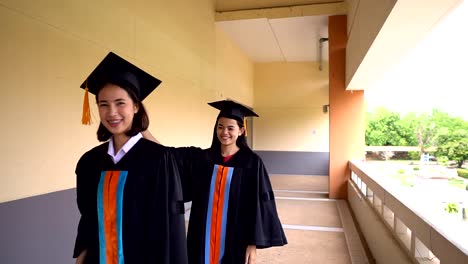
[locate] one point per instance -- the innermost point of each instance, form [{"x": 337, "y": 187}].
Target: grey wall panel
[
  {"x": 39, "y": 229},
  {"x": 295, "y": 162}
]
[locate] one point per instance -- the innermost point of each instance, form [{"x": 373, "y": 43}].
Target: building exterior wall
[{"x": 48, "y": 49}]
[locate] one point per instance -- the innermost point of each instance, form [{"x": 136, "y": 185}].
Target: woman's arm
[
  {"x": 81, "y": 258},
  {"x": 187, "y": 159},
  {"x": 251, "y": 254},
  {"x": 266, "y": 227}
]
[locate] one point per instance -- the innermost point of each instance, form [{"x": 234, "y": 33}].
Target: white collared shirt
[{"x": 126, "y": 147}]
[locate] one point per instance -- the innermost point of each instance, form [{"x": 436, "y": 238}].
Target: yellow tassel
[
  {"x": 86, "y": 116},
  {"x": 245, "y": 126}
]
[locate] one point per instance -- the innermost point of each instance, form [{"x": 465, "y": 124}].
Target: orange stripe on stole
[
  {"x": 217, "y": 214},
  {"x": 110, "y": 211}
]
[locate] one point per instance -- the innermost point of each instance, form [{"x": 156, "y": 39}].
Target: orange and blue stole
[
  {"x": 109, "y": 206},
  {"x": 216, "y": 219}
]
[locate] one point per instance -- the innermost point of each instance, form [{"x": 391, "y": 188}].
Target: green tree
[
  {"x": 425, "y": 132},
  {"x": 407, "y": 129},
  {"x": 382, "y": 128},
  {"x": 452, "y": 138},
  {"x": 439, "y": 129}
]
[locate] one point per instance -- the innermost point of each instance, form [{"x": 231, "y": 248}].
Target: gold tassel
[
  {"x": 86, "y": 115},
  {"x": 245, "y": 126}
]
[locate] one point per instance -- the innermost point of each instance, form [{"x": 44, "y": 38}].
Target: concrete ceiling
[
  {"x": 282, "y": 39},
  {"x": 235, "y": 5},
  {"x": 382, "y": 32},
  {"x": 277, "y": 30}
]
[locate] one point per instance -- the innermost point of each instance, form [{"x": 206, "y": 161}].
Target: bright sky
[{"x": 433, "y": 75}]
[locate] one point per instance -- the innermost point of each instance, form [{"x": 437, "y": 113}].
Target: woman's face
[
  {"x": 116, "y": 109},
  {"x": 228, "y": 131}
]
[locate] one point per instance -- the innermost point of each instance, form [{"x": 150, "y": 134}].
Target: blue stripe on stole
[
  {"x": 208, "y": 215},
  {"x": 100, "y": 209},
  {"x": 120, "y": 194},
  {"x": 225, "y": 210}
]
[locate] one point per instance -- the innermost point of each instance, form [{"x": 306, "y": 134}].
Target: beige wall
[
  {"x": 234, "y": 71},
  {"x": 289, "y": 97},
  {"x": 49, "y": 47}
]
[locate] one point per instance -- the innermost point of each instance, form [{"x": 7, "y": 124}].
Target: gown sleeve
[
  {"x": 267, "y": 228},
  {"x": 187, "y": 160},
  {"x": 170, "y": 196},
  {"x": 85, "y": 226}
]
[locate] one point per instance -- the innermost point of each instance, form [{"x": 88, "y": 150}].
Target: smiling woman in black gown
[
  {"x": 233, "y": 206},
  {"x": 128, "y": 189}
]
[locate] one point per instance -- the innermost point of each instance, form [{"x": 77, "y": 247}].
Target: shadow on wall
[{"x": 39, "y": 229}]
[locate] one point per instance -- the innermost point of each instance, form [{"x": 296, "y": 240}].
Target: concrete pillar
[{"x": 347, "y": 112}]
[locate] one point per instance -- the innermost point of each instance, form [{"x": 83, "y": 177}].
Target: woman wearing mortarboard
[
  {"x": 233, "y": 206},
  {"x": 128, "y": 189}
]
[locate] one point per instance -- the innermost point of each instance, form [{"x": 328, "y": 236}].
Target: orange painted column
[{"x": 347, "y": 112}]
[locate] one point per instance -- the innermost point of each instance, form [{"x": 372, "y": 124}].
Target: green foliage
[
  {"x": 425, "y": 130},
  {"x": 463, "y": 173},
  {"x": 452, "y": 137},
  {"x": 401, "y": 171},
  {"x": 454, "y": 144},
  {"x": 404, "y": 179},
  {"x": 466, "y": 187},
  {"x": 448, "y": 134},
  {"x": 415, "y": 168},
  {"x": 451, "y": 208},
  {"x": 407, "y": 126},
  {"x": 443, "y": 160},
  {"x": 414, "y": 155},
  {"x": 385, "y": 128},
  {"x": 381, "y": 128},
  {"x": 455, "y": 182}
]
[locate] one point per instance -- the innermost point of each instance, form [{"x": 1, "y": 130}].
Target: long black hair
[
  {"x": 140, "y": 119},
  {"x": 241, "y": 141}
]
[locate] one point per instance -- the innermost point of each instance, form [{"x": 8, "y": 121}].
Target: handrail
[{"x": 428, "y": 233}]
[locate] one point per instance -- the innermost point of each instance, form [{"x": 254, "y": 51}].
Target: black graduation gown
[
  {"x": 245, "y": 215},
  {"x": 141, "y": 199}
]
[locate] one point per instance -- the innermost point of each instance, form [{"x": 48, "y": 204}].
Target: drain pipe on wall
[{"x": 321, "y": 41}]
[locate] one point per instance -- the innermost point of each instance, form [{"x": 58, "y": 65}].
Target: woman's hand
[
  {"x": 81, "y": 258},
  {"x": 146, "y": 134},
  {"x": 251, "y": 254}
]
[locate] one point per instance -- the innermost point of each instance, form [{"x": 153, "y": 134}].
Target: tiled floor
[
  {"x": 299, "y": 182},
  {"x": 311, "y": 222},
  {"x": 308, "y": 247},
  {"x": 308, "y": 212}
]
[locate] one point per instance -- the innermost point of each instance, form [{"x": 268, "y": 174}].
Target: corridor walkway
[
  {"x": 319, "y": 230},
  {"x": 315, "y": 225}
]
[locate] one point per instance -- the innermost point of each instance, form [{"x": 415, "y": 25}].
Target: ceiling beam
[
  {"x": 372, "y": 51},
  {"x": 284, "y": 12}
]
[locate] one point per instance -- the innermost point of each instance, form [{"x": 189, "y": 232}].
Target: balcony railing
[{"x": 420, "y": 228}]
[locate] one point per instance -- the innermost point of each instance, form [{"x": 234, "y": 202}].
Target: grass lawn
[
  {"x": 459, "y": 183},
  {"x": 404, "y": 179},
  {"x": 406, "y": 171}
]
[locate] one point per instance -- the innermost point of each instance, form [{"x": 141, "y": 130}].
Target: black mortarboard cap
[
  {"x": 116, "y": 70},
  {"x": 233, "y": 109}
]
